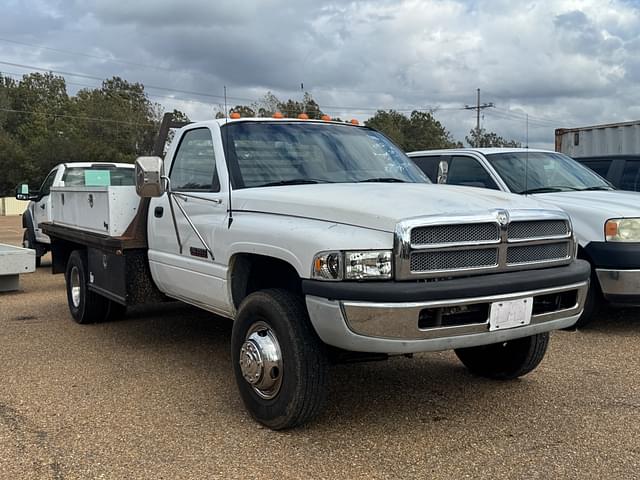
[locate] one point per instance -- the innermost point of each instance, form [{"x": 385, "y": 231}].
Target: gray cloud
[{"x": 560, "y": 65}]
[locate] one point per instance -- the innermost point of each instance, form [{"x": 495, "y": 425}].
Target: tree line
[{"x": 41, "y": 125}]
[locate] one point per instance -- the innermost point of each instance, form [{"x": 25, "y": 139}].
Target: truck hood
[
  {"x": 376, "y": 205},
  {"x": 591, "y": 209}
]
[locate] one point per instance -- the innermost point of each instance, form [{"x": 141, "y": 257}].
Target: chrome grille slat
[
  {"x": 439, "y": 261},
  {"x": 461, "y": 233},
  {"x": 495, "y": 241},
  {"x": 537, "y": 229},
  {"x": 537, "y": 253}
]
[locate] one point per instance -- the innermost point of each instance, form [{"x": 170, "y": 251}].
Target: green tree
[
  {"x": 482, "y": 138},
  {"x": 419, "y": 131}
]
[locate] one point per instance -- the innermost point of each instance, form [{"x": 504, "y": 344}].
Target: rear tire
[
  {"x": 279, "y": 362},
  {"x": 505, "y": 360},
  {"x": 85, "y": 306}
]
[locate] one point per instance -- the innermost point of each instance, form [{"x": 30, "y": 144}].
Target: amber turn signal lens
[
  {"x": 278, "y": 115},
  {"x": 611, "y": 229},
  {"x": 303, "y": 116},
  {"x": 234, "y": 115},
  {"x": 354, "y": 122}
]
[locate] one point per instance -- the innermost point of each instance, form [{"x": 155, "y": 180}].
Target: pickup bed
[
  {"x": 324, "y": 243},
  {"x": 69, "y": 175}
]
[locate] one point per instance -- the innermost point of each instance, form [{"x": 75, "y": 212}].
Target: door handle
[
  {"x": 42, "y": 206},
  {"x": 158, "y": 212}
]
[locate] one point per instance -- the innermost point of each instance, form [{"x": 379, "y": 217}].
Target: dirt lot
[{"x": 152, "y": 396}]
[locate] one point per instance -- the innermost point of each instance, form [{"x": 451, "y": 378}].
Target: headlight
[
  {"x": 622, "y": 230},
  {"x": 359, "y": 265}
]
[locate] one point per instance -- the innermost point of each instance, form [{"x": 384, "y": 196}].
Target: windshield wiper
[
  {"x": 383, "y": 180},
  {"x": 599, "y": 187},
  {"x": 548, "y": 189},
  {"x": 293, "y": 181}
]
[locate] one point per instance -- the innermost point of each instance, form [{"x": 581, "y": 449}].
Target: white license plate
[{"x": 510, "y": 314}]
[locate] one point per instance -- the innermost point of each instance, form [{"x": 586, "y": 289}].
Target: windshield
[
  {"x": 268, "y": 154},
  {"x": 545, "y": 172},
  {"x": 98, "y": 175}
]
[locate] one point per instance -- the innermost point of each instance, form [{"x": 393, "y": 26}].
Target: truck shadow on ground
[{"x": 428, "y": 388}]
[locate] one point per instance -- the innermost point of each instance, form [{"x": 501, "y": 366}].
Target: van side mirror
[
  {"x": 443, "y": 171},
  {"x": 23, "y": 193},
  {"x": 150, "y": 177}
]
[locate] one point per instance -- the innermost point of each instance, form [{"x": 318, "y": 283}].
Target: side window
[
  {"x": 429, "y": 165},
  {"x": 194, "y": 165},
  {"x": 631, "y": 176},
  {"x": 601, "y": 167},
  {"x": 468, "y": 171},
  {"x": 45, "y": 189}
]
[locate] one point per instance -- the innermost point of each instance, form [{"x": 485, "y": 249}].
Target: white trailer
[{"x": 597, "y": 140}]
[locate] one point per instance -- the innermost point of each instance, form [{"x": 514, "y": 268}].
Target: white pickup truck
[
  {"x": 606, "y": 221},
  {"x": 78, "y": 174},
  {"x": 323, "y": 242}
]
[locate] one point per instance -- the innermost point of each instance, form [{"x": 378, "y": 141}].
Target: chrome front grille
[
  {"x": 465, "y": 233},
  {"x": 441, "y": 261},
  {"x": 538, "y": 253},
  {"x": 537, "y": 229},
  {"x": 472, "y": 244}
]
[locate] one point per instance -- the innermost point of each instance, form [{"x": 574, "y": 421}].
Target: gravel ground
[{"x": 152, "y": 396}]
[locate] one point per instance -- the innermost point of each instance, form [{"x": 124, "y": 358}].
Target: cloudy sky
[{"x": 563, "y": 63}]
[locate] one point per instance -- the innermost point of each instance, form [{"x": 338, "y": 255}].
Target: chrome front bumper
[
  {"x": 393, "y": 327},
  {"x": 619, "y": 283}
]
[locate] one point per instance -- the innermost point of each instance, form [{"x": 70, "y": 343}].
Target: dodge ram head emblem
[{"x": 502, "y": 217}]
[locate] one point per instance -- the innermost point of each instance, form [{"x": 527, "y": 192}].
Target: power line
[
  {"x": 86, "y": 55},
  {"x": 78, "y": 117},
  {"x": 328, "y": 108}
]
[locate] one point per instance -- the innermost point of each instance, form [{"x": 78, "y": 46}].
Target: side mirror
[
  {"x": 443, "y": 171},
  {"x": 149, "y": 177},
  {"x": 23, "y": 193}
]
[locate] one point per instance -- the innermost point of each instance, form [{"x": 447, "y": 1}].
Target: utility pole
[{"x": 477, "y": 108}]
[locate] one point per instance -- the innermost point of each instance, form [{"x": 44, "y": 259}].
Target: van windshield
[
  {"x": 264, "y": 154},
  {"x": 542, "y": 172}
]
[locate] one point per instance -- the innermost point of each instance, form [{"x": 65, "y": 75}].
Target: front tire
[
  {"x": 591, "y": 304},
  {"x": 29, "y": 241},
  {"x": 85, "y": 306},
  {"x": 505, "y": 360},
  {"x": 280, "y": 364}
]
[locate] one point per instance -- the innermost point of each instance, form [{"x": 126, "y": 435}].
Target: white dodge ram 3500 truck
[
  {"x": 327, "y": 244},
  {"x": 78, "y": 174},
  {"x": 606, "y": 221}
]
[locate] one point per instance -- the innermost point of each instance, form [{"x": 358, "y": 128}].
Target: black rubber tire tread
[
  {"x": 505, "y": 360},
  {"x": 29, "y": 241},
  {"x": 305, "y": 364},
  {"x": 93, "y": 307},
  {"x": 592, "y": 303}
]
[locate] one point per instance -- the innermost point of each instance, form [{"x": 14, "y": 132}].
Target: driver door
[
  {"x": 180, "y": 263},
  {"x": 42, "y": 207}
]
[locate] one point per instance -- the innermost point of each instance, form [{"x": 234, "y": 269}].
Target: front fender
[{"x": 293, "y": 240}]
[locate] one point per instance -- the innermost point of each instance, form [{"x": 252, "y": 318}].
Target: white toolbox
[{"x": 105, "y": 210}]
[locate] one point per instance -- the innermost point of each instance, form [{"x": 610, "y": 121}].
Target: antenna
[
  {"x": 226, "y": 150},
  {"x": 526, "y": 159}
]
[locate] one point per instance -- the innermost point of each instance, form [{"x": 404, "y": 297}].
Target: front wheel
[
  {"x": 280, "y": 364},
  {"x": 28, "y": 241},
  {"x": 505, "y": 360}
]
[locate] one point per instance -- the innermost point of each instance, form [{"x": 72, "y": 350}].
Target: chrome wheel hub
[
  {"x": 261, "y": 360},
  {"x": 74, "y": 278}
]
